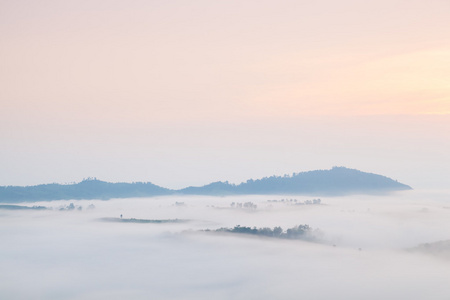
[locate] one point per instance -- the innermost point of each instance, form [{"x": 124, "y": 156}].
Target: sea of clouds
[{"x": 366, "y": 248}]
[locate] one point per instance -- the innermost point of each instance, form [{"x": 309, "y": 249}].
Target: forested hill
[
  {"x": 86, "y": 189},
  {"x": 337, "y": 181}
]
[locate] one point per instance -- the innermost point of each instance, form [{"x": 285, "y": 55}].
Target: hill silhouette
[
  {"x": 336, "y": 181},
  {"x": 86, "y": 189}
]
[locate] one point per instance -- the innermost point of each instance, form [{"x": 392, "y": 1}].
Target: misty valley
[
  {"x": 393, "y": 246},
  {"x": 224, "y": 150}
]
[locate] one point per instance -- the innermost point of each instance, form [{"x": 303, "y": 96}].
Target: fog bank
[{"x": 363, "y": 252}]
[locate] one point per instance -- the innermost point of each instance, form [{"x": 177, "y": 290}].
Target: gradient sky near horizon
[{"x": 183, "y": 93}]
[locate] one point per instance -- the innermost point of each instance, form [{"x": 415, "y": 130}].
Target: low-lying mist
[{"x": 366, "y": 247}]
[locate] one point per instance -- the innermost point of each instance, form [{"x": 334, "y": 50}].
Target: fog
[{"x": 366, "y": 248}]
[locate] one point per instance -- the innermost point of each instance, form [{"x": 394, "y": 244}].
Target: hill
[
  {"x": 86, "y": 189},
  {"x": 337, "y": 181}
]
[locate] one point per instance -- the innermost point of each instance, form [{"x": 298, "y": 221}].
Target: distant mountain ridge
[{"x": 336, "y": 181}]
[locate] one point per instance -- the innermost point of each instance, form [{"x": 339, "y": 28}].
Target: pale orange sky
[{"x": 75, "y": 73}]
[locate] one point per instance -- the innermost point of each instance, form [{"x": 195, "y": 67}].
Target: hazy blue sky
[{"x": 187, "y": 92}]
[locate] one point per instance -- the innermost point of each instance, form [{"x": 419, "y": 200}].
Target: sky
[{"x": 185, "y": 93}]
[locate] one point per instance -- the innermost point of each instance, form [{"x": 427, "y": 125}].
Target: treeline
[
  {"x": 294, "y": 233},
  {"x": 20, "y": 207},
  {"x": 133, "y": 220}
]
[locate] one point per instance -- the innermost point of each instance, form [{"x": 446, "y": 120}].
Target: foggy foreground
[{"x": 366, "y": 247}]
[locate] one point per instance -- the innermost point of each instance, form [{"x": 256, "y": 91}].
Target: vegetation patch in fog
[
  {"x": 297, "y": 202},
  {"x": 439, "y": 249},
  {"x": 133, "y": 220},
  {"x": 20, "y": 207},
  {"x": 300, "y": 232}
]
